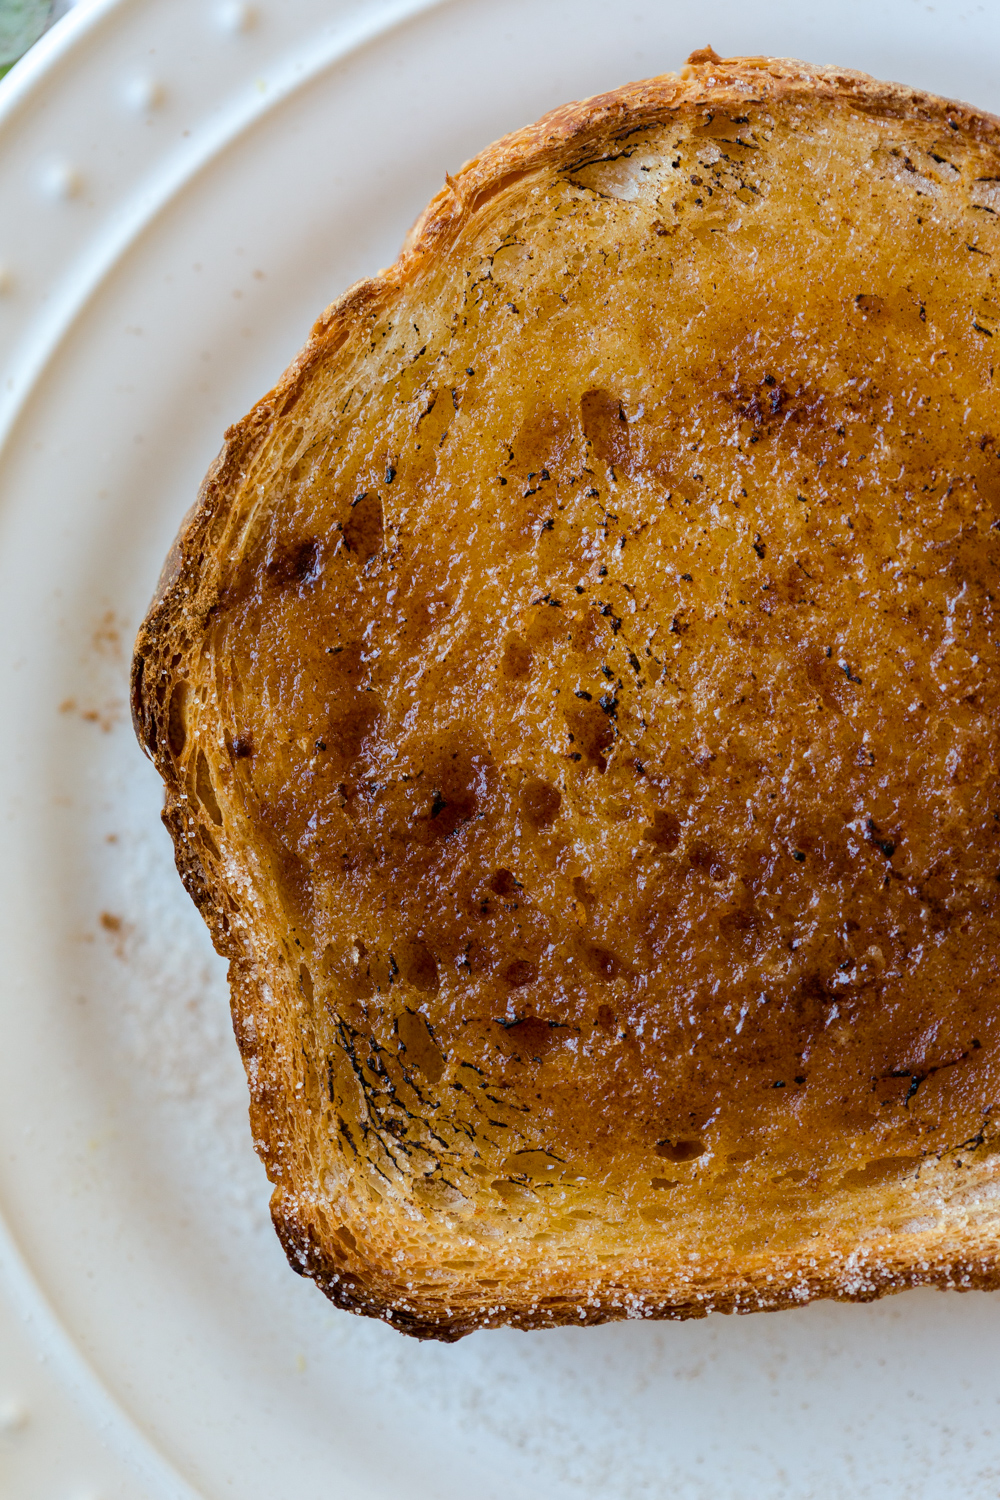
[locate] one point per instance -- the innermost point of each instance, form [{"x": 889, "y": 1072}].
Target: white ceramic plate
[{"x": 183, "y": 185}]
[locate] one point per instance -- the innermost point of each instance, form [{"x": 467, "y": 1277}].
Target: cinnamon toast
[{"x": 576, "y": 693}]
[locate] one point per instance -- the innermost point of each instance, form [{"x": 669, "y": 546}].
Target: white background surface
[{"x": 183, "y": 187}]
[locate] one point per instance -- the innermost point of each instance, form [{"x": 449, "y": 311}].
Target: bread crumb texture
[{"x": 576, "y": 692}]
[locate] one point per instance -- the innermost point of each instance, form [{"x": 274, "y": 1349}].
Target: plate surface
[{"x": 185, "y": 185}]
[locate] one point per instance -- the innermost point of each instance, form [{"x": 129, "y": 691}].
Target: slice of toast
[{"x": 576, "y": 692}]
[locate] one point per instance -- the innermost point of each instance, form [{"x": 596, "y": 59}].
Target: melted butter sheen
[{"x": 613, "y": 674}]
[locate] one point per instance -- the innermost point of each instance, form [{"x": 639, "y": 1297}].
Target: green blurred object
[{"x": 21, "y": 24}]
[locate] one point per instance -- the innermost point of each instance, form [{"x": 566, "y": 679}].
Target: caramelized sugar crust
[{"x": 577, "y": 695}]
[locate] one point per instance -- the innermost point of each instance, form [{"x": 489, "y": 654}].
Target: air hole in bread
[
  {"x": 604, "y": 962},
  {"x": 501, "y": 185},
  {"x": 346, "y": 1238},
  {"x": 434, "y": 421},
  {"x": 460, "y": 780},
  {"x": 516, "y": 660},
  {"x": 438, "y": 1194},
  {"x": 883, "y": 1170},
  {"x": 177, "y": 720},
  {"x": 583, "y": 894},
  {"x": 513, "y": 1192},
  {"x": 743, "y": 928},
  {"x": 306, "y": 984},
  {"x": 303, "y": 465},
  {"x": 364, "y": 531},
  {"x": 419, "y": 1045},
  {"x": 592, "y": 733},
  {"x": 704, "y": 857},
  {"x": 356, "y": 972},
  {"x": 664, "y": 831},
  {"x": 620, "y": 177},
  {"x": 540, "y": 1166},
  {"x": 607, "y": 429},
  {"x": 546, "y": 624},
  {"x": 683, "y": 1150},
  {"x": 205, "y": 791},
  {"x": 207, "y": 842},
  {"x": 296, "y": 564},
  {"x": 532, "y": 1038},
  {"x": 519, "y": 972},
  {"x": 417, "y": 965},
  {"x": 540, "y": 801},
  {"x": 662, "y": 1184},
  {"x": 504, "y": 884}
]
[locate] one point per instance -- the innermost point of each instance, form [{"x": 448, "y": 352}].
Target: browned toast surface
[{"x": 576, "y": 692}]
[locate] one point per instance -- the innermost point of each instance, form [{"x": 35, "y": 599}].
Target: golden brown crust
[{"x": 252, "y": 895}]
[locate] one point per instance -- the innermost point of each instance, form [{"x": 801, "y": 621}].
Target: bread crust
[{"x": 194, "y": 586}]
